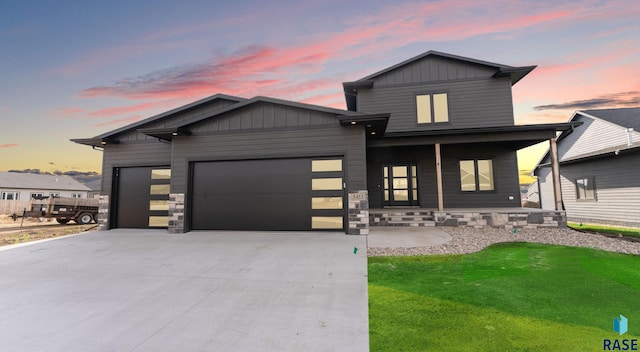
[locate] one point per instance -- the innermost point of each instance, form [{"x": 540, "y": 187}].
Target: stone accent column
[
  {"x": 359, "y": 213},
  {"x": 176, "y": 213},
  {"x": 103, "y": 213}
]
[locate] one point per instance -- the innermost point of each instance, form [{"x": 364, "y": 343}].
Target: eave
[{"x": 375, "y": 125}]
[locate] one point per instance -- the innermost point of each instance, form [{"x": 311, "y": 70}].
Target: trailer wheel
[
  {"x": 62, "y": 221},
  {"x": 84, "y": 218}
]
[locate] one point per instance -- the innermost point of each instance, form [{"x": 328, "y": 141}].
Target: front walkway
[{"x": 146, "y": 290}]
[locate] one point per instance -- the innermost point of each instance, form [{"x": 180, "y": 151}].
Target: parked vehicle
[{"x": 63, "y": 209}]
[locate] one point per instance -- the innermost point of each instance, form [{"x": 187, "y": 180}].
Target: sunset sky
[{"x": 77, "y": 69}]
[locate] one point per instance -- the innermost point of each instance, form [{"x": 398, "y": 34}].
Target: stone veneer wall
[
  {"x": 359, "y": 213},
  {"x": 176, "y": 213},
  {"x": 507, "y": 220},
  {"x": 103, "y": 213}
]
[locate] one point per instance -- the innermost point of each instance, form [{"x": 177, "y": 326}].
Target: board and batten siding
[
  {"x": 329, "y": 140},
  {"x": 471, "y": 103},
  {"x": 617, "y": 182},
  {"x": 264, "y": 115},
  {"x": 433, "y": 69},
  {"x": 592, "y": 136},
  {"x": 149, "y": 153},
  {"x": 178, "y": 118}
]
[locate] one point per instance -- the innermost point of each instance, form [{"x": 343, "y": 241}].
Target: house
[
  {"x": 599, "y": 166},
  {"x": 430, "y": 135},
  {"x": 22, "y": 186}
]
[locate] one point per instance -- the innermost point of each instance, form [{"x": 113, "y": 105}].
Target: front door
[{"x": 400, "y": 184}]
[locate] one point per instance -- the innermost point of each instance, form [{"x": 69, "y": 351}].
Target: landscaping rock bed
[{"x": 468, "y": 240}]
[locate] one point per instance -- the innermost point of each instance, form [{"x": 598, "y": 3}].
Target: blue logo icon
[{"x": 620, "y": 324}]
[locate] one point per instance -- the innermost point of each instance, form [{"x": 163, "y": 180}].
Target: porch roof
[{"x": 520, "y": 136}]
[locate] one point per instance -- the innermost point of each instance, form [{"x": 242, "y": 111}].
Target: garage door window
[
  {"x": 159, "y": 189},
  {"x": 327, "y": 194},
  {"x": 326, "y": 184},
  {"x": 326, "y": 222},
  {"x": 326, "y": 203}
]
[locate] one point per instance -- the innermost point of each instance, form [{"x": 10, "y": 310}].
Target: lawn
[
  {"x": 612, "y": 230},
  {"x": 508, "y": 297}
]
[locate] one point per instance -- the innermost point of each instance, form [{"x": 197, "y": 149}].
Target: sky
[{"x": 77, "y": 69}]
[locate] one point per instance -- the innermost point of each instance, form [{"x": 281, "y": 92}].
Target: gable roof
[
  {"x": 169, "y": 114},
  {"x": 514, "y": 73},
  {"x": 625, "y": 117},
  {"x": 109, "y": 137},
  {"x": 17, "y": 180},
  {"x": 376, "y": 122}
]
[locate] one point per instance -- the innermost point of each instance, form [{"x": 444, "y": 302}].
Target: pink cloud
[
  {"x": 119, "y": 110},
  {"x": 13, "y": 145}
]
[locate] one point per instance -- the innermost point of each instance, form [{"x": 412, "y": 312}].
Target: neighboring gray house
[
  {"x": 21, "y": 186},
  {"x": 434, "y": 132},
  {"x": 599, "y": 168}
]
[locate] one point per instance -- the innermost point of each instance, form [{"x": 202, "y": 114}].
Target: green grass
[
  {"x": 508, "y": 297},
  {"x": 626, "y": 231}
]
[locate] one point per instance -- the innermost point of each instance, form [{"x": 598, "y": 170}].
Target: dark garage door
[
  {"x": 142, "y": 198},
  {"x": 274, "y": 194}
]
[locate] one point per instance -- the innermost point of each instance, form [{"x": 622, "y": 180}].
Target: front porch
[{"x": 507, "y": 218}]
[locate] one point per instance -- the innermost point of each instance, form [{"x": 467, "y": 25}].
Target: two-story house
[{"x": 435, "y": 132}]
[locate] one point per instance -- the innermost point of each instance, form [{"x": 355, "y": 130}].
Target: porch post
[
  {"x": 439, "y": 178},
  {"x": 555, "y": 173}
]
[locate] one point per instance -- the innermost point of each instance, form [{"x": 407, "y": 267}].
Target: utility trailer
[{"x": 63, "y": 209}]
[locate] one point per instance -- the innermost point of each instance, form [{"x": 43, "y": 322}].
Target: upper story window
[
  {"x": 432, "y": 108},
  {"x": 586, "y": 188},
  {"x": 476, "y": 175},
  {"x": 10, "y": 195},
  {"x": 76, "y": 195}
]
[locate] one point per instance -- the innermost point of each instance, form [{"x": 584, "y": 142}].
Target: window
[
  {"x": 38, "y": 195},
  {"x": 54, "y": 194},
  {"x": 586, "y": 188},
  {"x": 10, "y": 195},
  {"x": 76, "y": 195},
  {"x": 476, "y": 175},
  {"x": 432, "y": 108}
]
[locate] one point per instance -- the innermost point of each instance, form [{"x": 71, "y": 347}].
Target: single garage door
[
  {"x": 142, "y": 197},
  {"x": 271, "y": 195}
]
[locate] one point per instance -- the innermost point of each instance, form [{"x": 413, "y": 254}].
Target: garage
[
  {"x": 142, "y": 197},
  {"x": 268, "y": 194}
]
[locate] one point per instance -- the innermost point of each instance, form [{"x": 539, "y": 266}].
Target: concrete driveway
[{"x": 145, "y": 290}]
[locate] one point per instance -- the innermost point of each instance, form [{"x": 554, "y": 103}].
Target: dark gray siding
[
  {"x": 264, "y": 115},
  {"x": 422, "y": 156},
  {"x": 505, "y": 174},
  {"x": 617, "y": 190},
  {"x": 505, "y": 169},
  {"x": 472, "y": 103},
  {"x": 187, "y": 115},
  {"x": 433, "y": 69},
  {"x": 151, "y": 153},
  {"x": 328, "y": 140}
]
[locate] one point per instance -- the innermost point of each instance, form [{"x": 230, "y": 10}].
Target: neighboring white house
[
  {"x": 599, "y": 168},
  {"x": 22, "y": 186}
]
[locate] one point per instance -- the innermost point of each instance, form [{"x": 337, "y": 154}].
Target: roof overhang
[
  {"x": 519, "y": 136},
  {"x": 351, "y": 92},
  {"x": 514, "y": 73},
  {"x": 164, "y": 134},
  {"x": 375, "y": 125},
  {"x": 95, "y": 142}
]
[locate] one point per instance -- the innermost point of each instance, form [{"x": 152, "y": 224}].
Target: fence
[{"x": 13, "y": 206}]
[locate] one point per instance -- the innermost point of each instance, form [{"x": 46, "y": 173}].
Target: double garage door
[{"x": 272, "y": 194}]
